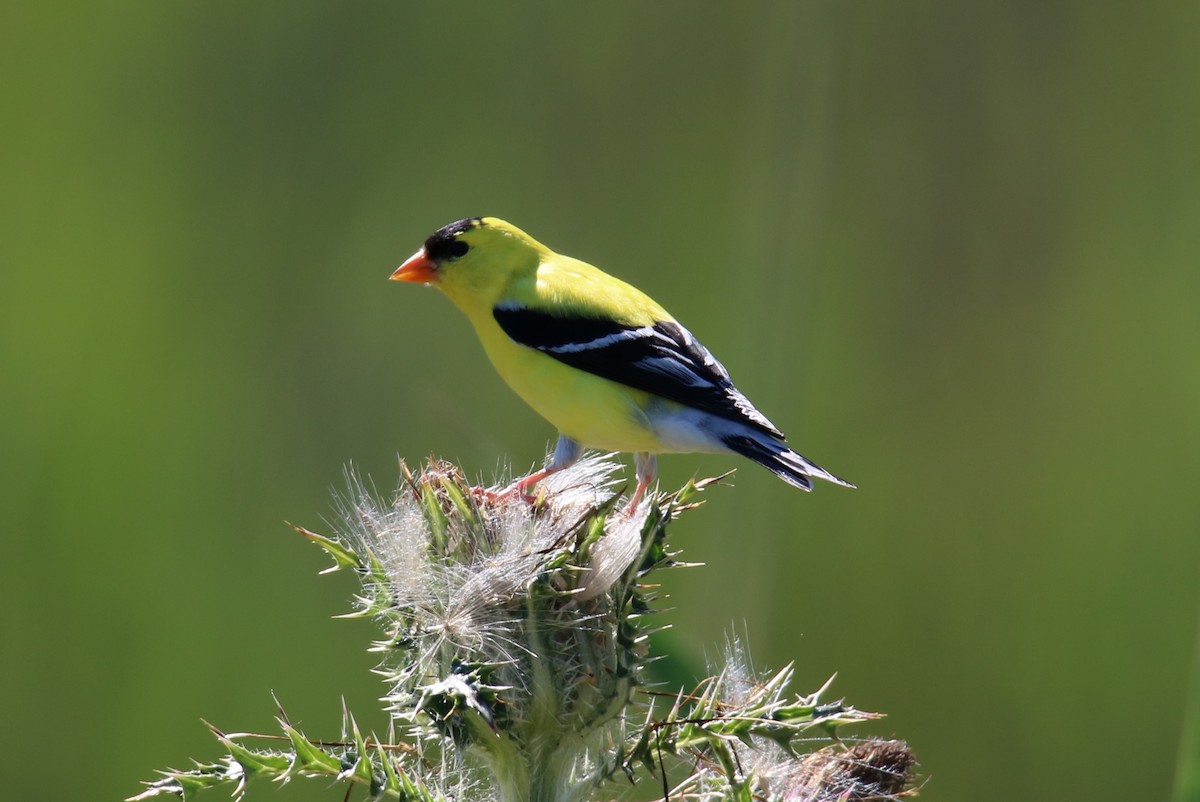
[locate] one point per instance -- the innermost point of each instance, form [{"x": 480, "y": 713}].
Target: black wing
[{"x": 662, "y": 358}]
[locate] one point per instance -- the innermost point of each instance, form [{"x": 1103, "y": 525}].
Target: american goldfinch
[{"x": 599, "y": 359}]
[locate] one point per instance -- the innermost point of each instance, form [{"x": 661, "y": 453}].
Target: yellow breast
[{"x": 594, "y": 411}]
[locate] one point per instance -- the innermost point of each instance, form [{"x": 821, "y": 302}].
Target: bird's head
[{"x": 473, "y": 260}]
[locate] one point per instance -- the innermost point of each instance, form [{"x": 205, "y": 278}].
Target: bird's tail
[{"x": 781, "y": 460}]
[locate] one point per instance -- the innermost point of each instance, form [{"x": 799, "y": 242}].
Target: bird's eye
[{"x": 458, "y": 248}]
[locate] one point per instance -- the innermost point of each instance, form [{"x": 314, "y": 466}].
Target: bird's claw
[{"x": 514, "y": 490}]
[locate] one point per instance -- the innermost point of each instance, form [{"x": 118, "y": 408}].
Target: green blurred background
[{"x": 951, "y": 248}]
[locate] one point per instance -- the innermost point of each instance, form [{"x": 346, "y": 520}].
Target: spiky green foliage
[
  {"x": 741, "y": 735},
  {"x": 515, "y": 640},
  {"x": 382, "y": 768}
]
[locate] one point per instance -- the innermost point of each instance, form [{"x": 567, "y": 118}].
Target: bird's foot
[
  {"x": 521, "y": 489},
  {"x": 638, "y": 495},
  {"x": 491, "y": 496},
  {"x": 524, "y": 487},
  {"x": 487, "y": 494}
]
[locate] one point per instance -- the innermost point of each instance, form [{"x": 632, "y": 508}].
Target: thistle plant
[{"x": 515, "y": 648}]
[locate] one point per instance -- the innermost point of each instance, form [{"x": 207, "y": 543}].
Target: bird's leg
[
  {"x": 647, "y": 470},
  {"x": 566, "y": 454}
]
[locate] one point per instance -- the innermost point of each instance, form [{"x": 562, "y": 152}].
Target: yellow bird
[{"x": 598, "y": 358}]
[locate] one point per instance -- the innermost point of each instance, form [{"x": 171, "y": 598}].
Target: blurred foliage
[
  {"x": 1187, "y": 773},
  {"x": 950, "y": 248}
]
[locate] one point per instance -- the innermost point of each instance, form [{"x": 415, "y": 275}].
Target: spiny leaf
[
  {"x": 307, "y": 757},
  {"x": 185, "y": 784},
  {"x": 343, "y": 556},
  {"x": 252, "y": 761}
]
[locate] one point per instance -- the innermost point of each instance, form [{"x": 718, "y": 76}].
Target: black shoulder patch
[
  {"x": 441, "y": 244},
  {"x": 547, "y": 332}
]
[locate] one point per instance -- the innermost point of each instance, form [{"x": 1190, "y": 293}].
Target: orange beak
[{"x": 418, "y": 267}]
